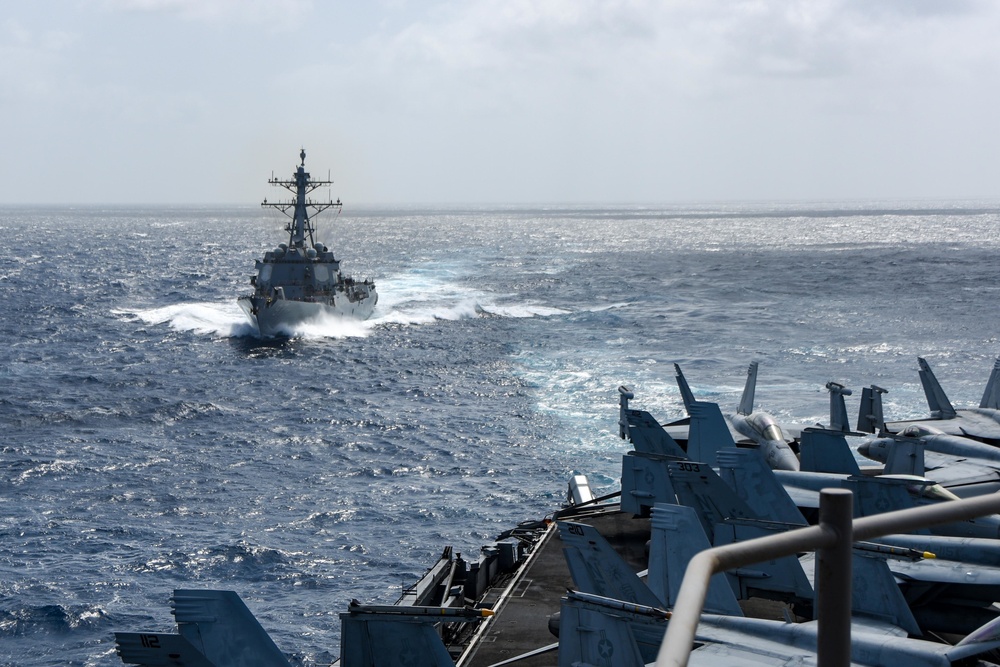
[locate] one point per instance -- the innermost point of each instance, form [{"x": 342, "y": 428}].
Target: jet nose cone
[{"x": 864, "y": 448}]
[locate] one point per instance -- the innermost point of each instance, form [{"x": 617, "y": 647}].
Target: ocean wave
[
  {"x": 242, "y": 561},
  {"x": 50, "y": 619}
]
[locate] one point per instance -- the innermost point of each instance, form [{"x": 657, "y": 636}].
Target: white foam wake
[
  {"x": 213, "y": 319},
  {"x": 412, "y": 299}
]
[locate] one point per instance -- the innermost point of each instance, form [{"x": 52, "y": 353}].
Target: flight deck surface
[{"x": 522, "y": 621}]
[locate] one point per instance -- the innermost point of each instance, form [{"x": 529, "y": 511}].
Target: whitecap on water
[
  {"x": 219, "y": 319},
  {"x": 428, "y": 295}
]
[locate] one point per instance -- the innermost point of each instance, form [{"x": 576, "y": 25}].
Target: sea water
[{"x": 150, "y": 441}]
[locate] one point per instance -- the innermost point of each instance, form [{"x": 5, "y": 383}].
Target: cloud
[
  {"x": 688, "y": 46},
  {"x": 28, "y": 58},
  {"x": 702, "y": 96},
  {"x": 281, "y": 12},
  {"x": 515, "y": 100}
]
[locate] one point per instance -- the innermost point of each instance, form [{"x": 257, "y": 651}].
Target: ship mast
[{"x": 301, "y": 207}]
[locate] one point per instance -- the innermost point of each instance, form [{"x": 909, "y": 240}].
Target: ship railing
[{"x": 832, "y": 540}]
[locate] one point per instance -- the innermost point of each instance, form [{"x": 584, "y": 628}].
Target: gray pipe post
[{"x": 833, "y": 579}]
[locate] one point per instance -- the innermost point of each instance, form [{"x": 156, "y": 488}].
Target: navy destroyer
[{"x": 301, "y": 280}]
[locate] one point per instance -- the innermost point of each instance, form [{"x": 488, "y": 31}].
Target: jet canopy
[
  {"x": 766, "y": 426},
  {"x": 920, "y": 431}
]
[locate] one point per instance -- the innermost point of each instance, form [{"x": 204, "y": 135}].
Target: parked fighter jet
[
  {"x": 644, "y": 474},
  {"x": 605, "y": 623},
  {"x": 746, "y": 424},
  {"x": 745, "y": 501},
  {"x": 964, "y": 466},
  {"x": 215, "y": 629},
  {"x": 982, "y": 423}
]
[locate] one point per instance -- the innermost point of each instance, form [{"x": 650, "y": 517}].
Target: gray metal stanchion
[{"x": 833, "y": 580}]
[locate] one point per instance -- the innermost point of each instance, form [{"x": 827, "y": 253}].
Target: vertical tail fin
[
  {"x": 598, "y": 569},
  {"x": 870, "y": 416},
  {"x": 219, "y": 623},
  {"x": 707, "y": 433},
  {"x": 380, "y": 639},
  {"x": 906, "y": 457},
  {"x": 838, "y": 409},
  {"x": 216, "y": 630},
  {"x": 624, "y": 396},
  {"x": 821, "y": 450},
  {"x": 595, "y": 631},
  {"x": 937, "y": 401},
  {"x": 698, "y": 487},
  {"x": 753, "y": 481},
  {"x": 643, "y": 431},
  {"x": 780, "y": 578},
  {"x": 991, "y": 396},
  {"x": 875, "y": 593},
  {"x": 746, "y": 401},
  {"x": 676, "y": 538},
  {"x": 876, "y": 495},
  {"x": 645, "y": 481},
  {"x": 682, "y": 384}
]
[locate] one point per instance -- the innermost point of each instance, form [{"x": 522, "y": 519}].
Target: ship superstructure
[{"x": 301, "y": 280}]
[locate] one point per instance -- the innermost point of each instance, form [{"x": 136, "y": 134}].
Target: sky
[{"x": 500, "y": 101}]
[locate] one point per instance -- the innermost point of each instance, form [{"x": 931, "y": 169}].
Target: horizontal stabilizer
[{"x": 153, "y": 649}]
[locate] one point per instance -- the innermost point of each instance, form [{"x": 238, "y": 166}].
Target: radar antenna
[{"x": 301, "y": 208}]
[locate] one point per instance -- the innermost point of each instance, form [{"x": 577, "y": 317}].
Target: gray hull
[{"x": 280, "y": 315}]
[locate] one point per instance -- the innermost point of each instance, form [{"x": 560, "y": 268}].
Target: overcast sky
[{"x": 500, "y": 101}]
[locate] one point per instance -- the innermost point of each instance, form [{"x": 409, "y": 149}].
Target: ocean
[{"x": 150, "y": 442}]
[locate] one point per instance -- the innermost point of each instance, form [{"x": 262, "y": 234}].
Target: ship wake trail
[{"x": 421, "y": 297}]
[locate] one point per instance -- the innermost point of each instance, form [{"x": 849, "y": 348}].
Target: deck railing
[{"x": 831, "y": 539}]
